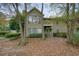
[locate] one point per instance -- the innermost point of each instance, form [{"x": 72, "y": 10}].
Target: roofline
[{"x": 35, "y": 9}]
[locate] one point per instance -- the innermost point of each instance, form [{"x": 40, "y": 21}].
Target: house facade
[{"x": 36, "y": 23}]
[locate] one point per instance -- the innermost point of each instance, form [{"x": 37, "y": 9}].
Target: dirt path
[{"x": 49, "y": 47}]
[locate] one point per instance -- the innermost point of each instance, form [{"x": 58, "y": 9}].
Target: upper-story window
[{"x": 34, "y": 19}]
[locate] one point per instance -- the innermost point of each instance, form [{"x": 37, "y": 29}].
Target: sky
[
  {"x": 50, "y": 11},
  {"x": 47, "y": 9}
]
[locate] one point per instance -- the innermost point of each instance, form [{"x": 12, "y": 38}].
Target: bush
[
  {"x": 13, "y": 24},
  {"x": 13, "y": 38},
  {"x": 35, "y": 35},
  {"x": 11, "y": 35},
  {"x": 3, "y": 33},
  {"x": 60, "y": 34},
  {"x": 75, "y": 39}
]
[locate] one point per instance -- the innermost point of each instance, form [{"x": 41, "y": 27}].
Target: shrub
[
  {"x": 60, "y": 34},
  {"x": 13, "y": 24},
  {"x": 75, "y": 39},
  {"x": 11, "y": 35},
  {"x": 3, "y": 33},
  {"x": 35, "y": 35},
  {"x": 13, "y": 38}
]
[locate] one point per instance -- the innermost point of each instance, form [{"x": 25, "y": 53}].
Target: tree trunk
[
  {"x": 68, "y": 22},
  {"x": 71, "y": 25},
  {"x": 22, "y": 40},
  {"x": 21, "y": 31},
  {"x": 25, "y": 25},
  {"x": 43, "y": 34},
  {"x": 72, "y": 29}
]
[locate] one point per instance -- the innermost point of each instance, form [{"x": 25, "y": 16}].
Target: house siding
[
  {"x": 33, "y": 25},
  {"x": 61, "y": 26}
]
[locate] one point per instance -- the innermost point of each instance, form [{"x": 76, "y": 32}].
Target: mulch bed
[{"x": 38, "y": 47}]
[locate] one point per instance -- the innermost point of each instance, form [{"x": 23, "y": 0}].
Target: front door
[{"x": 48, "y": 31}]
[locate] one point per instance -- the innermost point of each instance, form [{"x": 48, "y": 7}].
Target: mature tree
[
  {"x": 15, "y": 8},
  {"x": 73, "y": 20},
  {"x": 68, "y": 21},
  {"x": 58, "y": 11},
  {"x": 64, "y": 10},
  {"x": 43, "y": 34},
  {"x": 22, "y": 23}
]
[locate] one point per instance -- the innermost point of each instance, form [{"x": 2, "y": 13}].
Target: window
[
  {"x": 35, "y": 30},
  {"x": 34, "y": 19},
  {"x": 30, "y": 19}
]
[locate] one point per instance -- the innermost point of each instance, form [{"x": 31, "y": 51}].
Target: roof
[{"x": 35, "y": 10}]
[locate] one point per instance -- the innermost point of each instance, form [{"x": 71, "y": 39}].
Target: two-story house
[{"x": 36, "y": 23}]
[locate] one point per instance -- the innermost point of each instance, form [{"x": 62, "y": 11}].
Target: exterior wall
[
  {"x": 32, "y": 25},
  {"x": 61, "y": 27}
]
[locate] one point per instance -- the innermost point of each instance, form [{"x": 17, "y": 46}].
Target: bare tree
[
  {"x": 15, "y": 7},
  {"x": 68, "y": 22},
  {"x": 73, "y": 20},
  {"x": 43, "y": 34}
]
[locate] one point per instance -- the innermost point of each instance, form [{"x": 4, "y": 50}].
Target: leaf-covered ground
[{"x": 38, "y": 47}]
